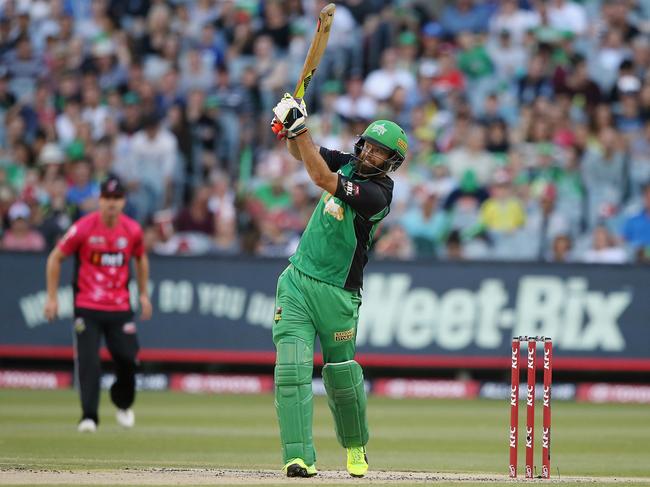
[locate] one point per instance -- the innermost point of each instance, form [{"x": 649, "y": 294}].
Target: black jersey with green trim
[{"x": 334, "y": 247}]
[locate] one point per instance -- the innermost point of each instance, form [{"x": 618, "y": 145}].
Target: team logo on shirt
[
  {"x": 108, "y": 259},
  {"x": 96, "y": 240},
  {"x": 350, "y": 188},
  {"x": 121, "y": 242},
  {"x": 278, "y": 314},
  {"x": 333, "y": 208},
  {"x": 342, "y": 336}
]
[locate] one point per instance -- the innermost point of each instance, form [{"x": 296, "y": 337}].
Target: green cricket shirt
[{"x": 334, "y": 247}]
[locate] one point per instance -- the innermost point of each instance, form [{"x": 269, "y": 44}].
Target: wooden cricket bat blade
[{"x": 316, "y": 49}]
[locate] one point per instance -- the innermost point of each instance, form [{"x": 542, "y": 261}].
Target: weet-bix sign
[{"x": 424, "y": 313}]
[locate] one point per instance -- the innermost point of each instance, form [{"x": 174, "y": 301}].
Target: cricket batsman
[
  {"x": 103, "y": 243},
  {"x": 319, "y": 292}
]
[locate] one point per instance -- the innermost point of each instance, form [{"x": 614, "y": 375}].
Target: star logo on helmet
[{"x": 379, "y": 129}]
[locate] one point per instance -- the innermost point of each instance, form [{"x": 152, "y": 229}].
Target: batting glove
[{"x": 292, "y": 115}]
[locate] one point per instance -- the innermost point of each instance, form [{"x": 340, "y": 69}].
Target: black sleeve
[
  {"x": 367, "y": 198},
  {"x": 334, "y": 159}
]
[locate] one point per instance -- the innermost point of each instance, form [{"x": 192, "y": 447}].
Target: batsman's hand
[
  {"x": 51, "y": 309},
  {"x": 278, "y": 129},
  {"x": 292, "y": 115}
]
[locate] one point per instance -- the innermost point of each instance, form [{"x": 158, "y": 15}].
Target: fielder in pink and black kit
[{"x": 103, "y": 243}]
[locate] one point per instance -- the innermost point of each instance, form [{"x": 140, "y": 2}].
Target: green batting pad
[
  {"x": 346, "y": 397},
  {"x": 294, "y": 398}
]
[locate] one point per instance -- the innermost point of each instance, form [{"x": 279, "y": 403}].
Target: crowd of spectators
[{"x": 528, "y": 122}]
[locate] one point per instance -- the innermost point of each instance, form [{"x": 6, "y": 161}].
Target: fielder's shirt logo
[
  {"x": 341, "y": 336},
  {"x": 379, "y": 128},
  {"x": 96, "y": 240},
  {"x": 108, "y": 259}
]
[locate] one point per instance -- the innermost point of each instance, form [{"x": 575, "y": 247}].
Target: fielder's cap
[
  {"x": 19, "y": 210},
  {"x": 112, "y": 188}
]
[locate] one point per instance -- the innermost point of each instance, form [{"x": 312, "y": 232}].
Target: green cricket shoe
[
  {"x": 357, "y": 461},
  {"x": 298, "y": 468}
]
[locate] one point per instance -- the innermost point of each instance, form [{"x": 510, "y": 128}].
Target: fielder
[
  {"x": 319, "y": 292},
  {"x": 103, "y": 243}
]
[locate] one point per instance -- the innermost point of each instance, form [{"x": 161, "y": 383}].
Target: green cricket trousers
[{"x": 305, "y": 308}]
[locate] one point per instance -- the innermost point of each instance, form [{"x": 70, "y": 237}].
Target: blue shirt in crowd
[{"x": 636, "y": 230}]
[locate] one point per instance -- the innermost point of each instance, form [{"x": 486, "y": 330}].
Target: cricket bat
[{"x": 314, "y": 55}]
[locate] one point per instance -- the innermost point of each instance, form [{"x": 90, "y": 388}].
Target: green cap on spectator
[
  {"x": 501, "y": 158},
  {"x": 469, "y": 182},
  {"x": 520, "y": 179},
  {"x": 407, "y": 38},
  {"x": 75, "y": 150},
  {"x": 131, "y": 98},
  {"x": 211, "y": 101},
  {"x": 545, "y": 149},
  {"x": 297, "y": 29},
  {"x": 438, "y": 159},
  {"x": 332, "y": 86},
  {"x": 249, "y": 6}
]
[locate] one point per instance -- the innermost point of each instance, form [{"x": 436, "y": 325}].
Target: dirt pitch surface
[{"x": 171, "y": 476}]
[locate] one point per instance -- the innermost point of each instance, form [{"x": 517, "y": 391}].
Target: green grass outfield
[{"x": 183, "y": 431}]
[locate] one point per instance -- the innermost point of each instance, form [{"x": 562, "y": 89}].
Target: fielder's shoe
[
  {"x": 87, "y": 426},
  {"x": 357, "y": 461},
  {"x": 125, "y": 418},
  {"x": 298, "y": 468}
]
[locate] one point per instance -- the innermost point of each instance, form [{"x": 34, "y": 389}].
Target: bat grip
[{"x": 277, "y": 128}]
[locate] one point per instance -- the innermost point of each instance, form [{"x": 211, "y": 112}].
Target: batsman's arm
[
  {"x": 52, "y": 275},
  {"x": 142, "y": 276},
  {"x": 318, "y": 170},
  {"x": 292, "y": 147}
]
